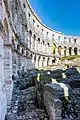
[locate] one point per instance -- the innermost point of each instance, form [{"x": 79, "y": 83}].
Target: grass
[{"x": 72, "y": 57}]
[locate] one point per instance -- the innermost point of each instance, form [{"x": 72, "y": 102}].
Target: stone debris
[{"x": 24, "y": 105}]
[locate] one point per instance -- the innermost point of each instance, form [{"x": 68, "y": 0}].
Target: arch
[
  {"x": 12, "y": 40},
  {"x": 34, "y": 36},
  {"x": 35, "y": 58},
  {"x": 53, "y": 60},
  {"x": 75, "y": 40},
  {"x": 48, "y": 44},
  {"x": 39, "y": 40},
  {"x": 59, "y": 50},
  {"x": 18, "y": 47},
  {"x": 70, "y": 50},
  {"x": 43, "y": 62},
  {"x": 22, "y": 51},
  {"x": 48, "y": 61},
  {"x": 39, "y": 60},
  {"x": 43, "y": 42},
  {"x": 75, "y": 51},
  {"x": 30, "y": 33},
  {"x": 65, "y": 48},
  {"x": 6, "y": 25},
  {"x": 31, "y": 56}
]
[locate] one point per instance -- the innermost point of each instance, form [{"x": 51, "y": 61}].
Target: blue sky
[{"x": 60, "y": 15}]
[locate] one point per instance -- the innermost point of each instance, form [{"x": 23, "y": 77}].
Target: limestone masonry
[{"x": 26, "y": 42}]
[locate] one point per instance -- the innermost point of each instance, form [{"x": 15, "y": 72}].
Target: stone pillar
[
  {"x": 3, "y": 104},
  {"x": 32, "y": 43},
  {"x": 37, "y": 58},
  {"x": 78, "y": 52},
  {"x": 33, "y": 61},
  {"x": 50, "y": 61},
  {"x": 56, "y": 51},
  {"x": 39, "y": 47},
  {"x": 29, "y": 42},
  {"x": 8, "y": 73},
  {"x": 26, "y": 39},
  {"x": 41, "y": 62},
  {"x": 36, "y": 45},
  {"x": 45, "y": 63},
  {"x": 73, "y": 52},
  {"x": 67, "y": 52},
  {"x": 62, "y": 52}
]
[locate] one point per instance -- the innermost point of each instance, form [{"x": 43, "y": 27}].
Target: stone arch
[
  {"x": 75, "y": 51},
  {"x": 39, "y": 40},
  {"x": 48, "y": 61},
  {"x": 48, "y": 44},
  {"x": 59, "y": 50},
  {"x": 34, "y": 38},
  {"x": 70, "y": 50},
  {"x": 6, "y": 25},
  {"x": 53, "y": 60},
  {"x": 18, "y": 47},
  {"x": 22, "y": 51},
  {"x": 31, "y": 55},
  {"x": 30, "y": 33},
  {"x": 35, "y": 58},
  {"x": 65, "y": 48},
  {"x": 39, "y": 61},
  {"x": 43, "y": 62}
]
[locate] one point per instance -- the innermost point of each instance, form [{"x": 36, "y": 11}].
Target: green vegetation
[{"x": 72, "y": 57}]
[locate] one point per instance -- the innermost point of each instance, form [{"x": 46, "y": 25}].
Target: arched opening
[
  {"x": 43, "y": 62},
  {"x": 34, "y": 38},
  {"x": 70, "y": 50},
  {"x": 22, "y": 51},
  {"x": 29, "y": 41},
  {"x": 54, "y": 48},
  {"x": 75, "y": 51},
  {"x": 35, "y": 58},
  {"x": 53, "y": 61},
  {"x": 6, "y": 25},
  {"x": 31, "y": 56},
  {"x": 39, "y": 45},
  {"x": 48, "y": 61},
  {"x": 39, "y": 61},
  {"x": 13, "y": 43},
  {"x": 59, "y": 50},
  {"x": 30, "y": 33},
  {"x": 18, "y": 47},
  {"x": 65, "y": 48}
]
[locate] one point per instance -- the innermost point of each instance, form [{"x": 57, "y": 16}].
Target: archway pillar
[
  {"x": 56, "y": 51},
  {"x": 50, "y": 61},
  {"x": 73, "y": 52},
  {"x": 62, "y": 52},
  {"x": 36, "y": 45},
  {"x": 33, "y": 61},
  {"x": 45, "y": 62},
  {"x": 32, "y": 43},
  {"x": 41, "y": 62},
  {"x": 78, "y": 52},
  {"x": 67, "y": 52},
  {"x": 37, "y": 61}
]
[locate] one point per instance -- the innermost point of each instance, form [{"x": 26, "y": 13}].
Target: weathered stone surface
[{"x": 71, "y": 71}]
